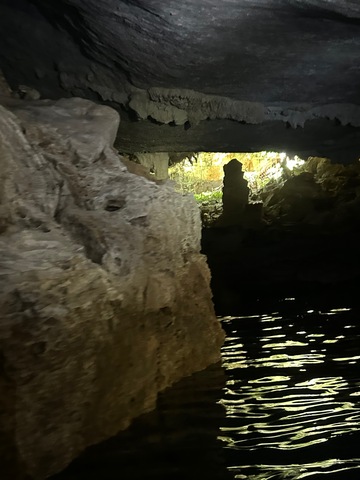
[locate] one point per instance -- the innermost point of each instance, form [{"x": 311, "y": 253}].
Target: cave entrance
[
  {"x": 293, "y": 232},
  {"x": 202, "y": 173},
  {"x": 298, "y": 233}
]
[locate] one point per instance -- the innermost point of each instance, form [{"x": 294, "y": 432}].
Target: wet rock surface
[
  {"x": 105, "y": 297},
  {"x": 177, "y": 440}
]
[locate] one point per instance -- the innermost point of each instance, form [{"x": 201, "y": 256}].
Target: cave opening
[
  {"x": 290, "y": 227},
  {"x": 202, "y": 174}
]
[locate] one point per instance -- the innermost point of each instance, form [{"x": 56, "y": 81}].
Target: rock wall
[
  {"x": 181, "y": 106},
  {"x": 104, "y": 296},
  {"x": 198, "y": 76}
]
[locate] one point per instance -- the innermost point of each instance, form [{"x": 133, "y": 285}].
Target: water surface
[
  {"x": 284, "y": 404},
  {"x": 292, "y": 396}
]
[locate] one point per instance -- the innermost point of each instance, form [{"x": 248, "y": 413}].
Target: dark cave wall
[
  {"x": 323, "y": 138},
  {"x": 267, "y": 51},
  {"x": 288, "y": 57}
]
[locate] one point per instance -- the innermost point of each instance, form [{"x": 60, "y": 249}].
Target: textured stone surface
[
  {"x": 181, "y": 106},
  {"x": 319, "y": 137},
  {"x": 259, "y": 62},
  {"x": 155, "y": 163},
  {"x": 105, "y": 297}
]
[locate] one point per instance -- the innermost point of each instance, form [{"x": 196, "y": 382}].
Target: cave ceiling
[{"x": 223, "y": 75}]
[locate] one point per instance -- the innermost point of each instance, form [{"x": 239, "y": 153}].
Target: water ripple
[
  {"x": 295, "y": 391},
  {"x": 295, "y": 471}
]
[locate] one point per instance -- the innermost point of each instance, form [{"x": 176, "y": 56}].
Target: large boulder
[{"x": 105, "y": 298}]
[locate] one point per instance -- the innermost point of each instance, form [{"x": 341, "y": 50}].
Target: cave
[{"x": 116, "y": 286}]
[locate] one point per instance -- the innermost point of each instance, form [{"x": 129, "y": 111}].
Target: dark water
[
  {"x": 285, "y": 405},
  {"x": 293, "y": 395}
]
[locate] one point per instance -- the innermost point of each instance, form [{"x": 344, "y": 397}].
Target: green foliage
[
  {"x": 208, "y": 196},
  {"x": 202, "y": 174},
  {"x": 197, "y": 174},
  {"x": 210, "y": 204}
]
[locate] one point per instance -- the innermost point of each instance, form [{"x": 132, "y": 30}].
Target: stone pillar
[
  {"x": 157, "y": 163},
  {"x": 235, "y": 194}
]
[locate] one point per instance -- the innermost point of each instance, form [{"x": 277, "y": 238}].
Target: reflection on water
[
  {"x": 287, "y": 408},
  {"x": 292, "y": 397},
  {"x": 177, "y": 441}
]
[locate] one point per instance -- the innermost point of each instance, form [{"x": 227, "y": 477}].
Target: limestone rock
[
  {"x": 248, "y": 67},
  {"x": 155, "y": 163},
  {"x": 324, "y": 194},
  {"x": 5, "y": 90},
  {"x": 105, "y": 298},
  {"x": 235, "y": 195},
  {"x": 28, "y": 93},
  {"x": 181, "y": 106}
]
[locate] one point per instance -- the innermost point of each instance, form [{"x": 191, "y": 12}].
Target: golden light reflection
[
  {"x": 298, "y": 399},
  {"x": 267, "y": 339},
  {"x": 295, "y": 471},
  {"x": 346, "y": 359},
  {"x": 288, "y": 343},
  {"x": 271, "y": 328}
]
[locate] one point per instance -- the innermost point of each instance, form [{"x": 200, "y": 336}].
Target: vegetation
[
  {"x": 202, "y": 174},
  {"x": 215, "y": 195}
]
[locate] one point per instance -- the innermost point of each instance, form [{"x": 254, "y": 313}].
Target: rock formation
[
  {"x": 306, "y": 245},
  {"x": 155, "y": 163},
  {"x": 207, "y": 75},
  {"x": 235, "y": 195},
  {"x": 105, "y": 297},
  {"x": 104, "y": 294},
  {"x": 236, "y": 209}
]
